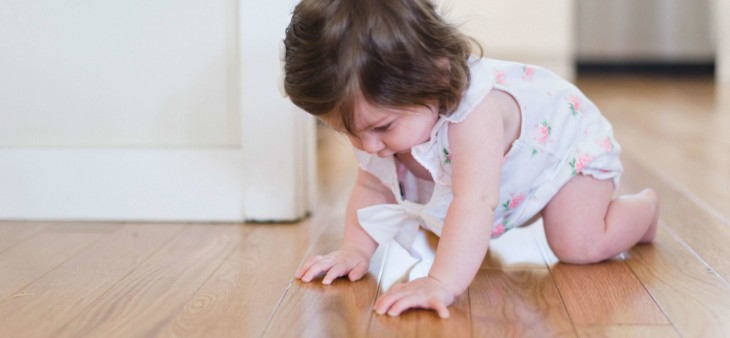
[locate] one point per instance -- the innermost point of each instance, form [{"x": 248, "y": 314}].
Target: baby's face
[{"x": 388, "y": 131}]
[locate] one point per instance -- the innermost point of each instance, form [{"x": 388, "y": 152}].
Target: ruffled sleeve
[
  {"x": 435, "y": 154},
  {"x": 482, "y": 81}
]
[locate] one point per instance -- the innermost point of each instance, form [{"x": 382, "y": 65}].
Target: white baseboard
[{"x": 122, "y": 184}]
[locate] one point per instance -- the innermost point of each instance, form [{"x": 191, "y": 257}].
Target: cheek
[{"x": 355, "y": 142}]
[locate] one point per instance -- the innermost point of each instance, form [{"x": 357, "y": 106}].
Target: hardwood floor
[{"x": 236, "y": 280}]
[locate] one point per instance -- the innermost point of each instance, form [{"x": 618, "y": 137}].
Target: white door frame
[{"x": 278, "y": 143}]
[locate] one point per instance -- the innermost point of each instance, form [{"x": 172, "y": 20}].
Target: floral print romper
[{"x": 562, "y": 135}]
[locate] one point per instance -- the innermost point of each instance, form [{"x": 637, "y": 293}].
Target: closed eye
[{"x": 382, "y": 129}]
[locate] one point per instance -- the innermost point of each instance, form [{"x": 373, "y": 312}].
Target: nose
[{"x": 371, "y": 144}]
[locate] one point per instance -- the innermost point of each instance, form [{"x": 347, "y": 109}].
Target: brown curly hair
[{"x": 391, "y": 53}]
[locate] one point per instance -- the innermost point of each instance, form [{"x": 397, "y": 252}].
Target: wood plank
[
  {"x": 690, "y": 221},
  {"x": 14, "y": 233},
  {"x": 31, "y": 259},
  {"x": 242, "y": 295},
  {"x": 603, "y": 293},
  {"x": 517, "y": 303},
  {"x": 58, "y": 296},
  {"x": 627, "y": 331},
  {"x": 341, "y": 309},
  {"x": 151, "y": 295},
  {"x": 694, "y": 297}
]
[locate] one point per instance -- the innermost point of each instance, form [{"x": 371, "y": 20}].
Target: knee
[{"x": 580, "y": 251}]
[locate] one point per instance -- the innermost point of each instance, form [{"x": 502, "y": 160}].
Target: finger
[
  {"x": 358, "y": 272},
  {"x": 382, "y": 305},
  {"x": 334, "y": 272},
  {"x": 386, "y": 301},
  {"x": 317, "y": 268},
  {"x": 440, "y": 308},
  {"x": 406, "y": 303},
  {"x": 308, "y": 264}
]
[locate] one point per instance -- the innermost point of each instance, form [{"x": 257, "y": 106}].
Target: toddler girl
[{"x": 465, "y": 147}]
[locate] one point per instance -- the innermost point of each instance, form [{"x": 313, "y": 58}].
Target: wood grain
[
  {"x": 627, "y": 331},
  {"x": 695, "y": 298},
  {"x": 145, "y": 300},
  {"x": 242, "y": 295},
  {"x": 31, "y": 259},
  {"x": 14, "y": 233},
  {"x": 603, "y": 293},
  {"x": 314, "y": 310},
  {"x": 58, "y": 296},
  {"x": 518, "y": 303}
]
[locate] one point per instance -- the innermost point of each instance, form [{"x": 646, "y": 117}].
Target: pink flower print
[
  {"x": 605, "y": 144},
  {"x": 542, "y": 132},
  {"x": 579, "y": 163},
  {"x": 516, "y": 201},
  {"x": 576, "y": 104},
  {"x": 498, "y": 230},
  {"x": 513, "y": 202},
  {"x": 500, "y": 77},
  {"x": 527, "y": 73}
]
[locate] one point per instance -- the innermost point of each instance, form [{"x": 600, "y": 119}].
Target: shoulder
[
  {"x": 476, "y": 150},
  {"x": 485, "y": 122},
  {"x": 481, "y": 82}
]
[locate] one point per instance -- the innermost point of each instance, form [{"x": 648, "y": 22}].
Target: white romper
[{"x": 562, "y": 134}]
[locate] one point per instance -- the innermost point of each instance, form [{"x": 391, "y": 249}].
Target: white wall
[
  {"x": 132, "y": 110},
  {"x": 533, "y": 31},
  {"x": 119, "y": 73}
]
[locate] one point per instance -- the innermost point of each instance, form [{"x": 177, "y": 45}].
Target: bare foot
[{"x": 652, "y": 197}]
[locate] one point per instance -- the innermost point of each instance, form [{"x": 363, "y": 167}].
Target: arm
[
  {"x": 368, "y": 191},
  {"x": 353, "y": 258},
  {"x": 476, "y": 159}
]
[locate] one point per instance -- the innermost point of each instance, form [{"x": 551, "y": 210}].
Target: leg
[{"x": 585, "y": 224}]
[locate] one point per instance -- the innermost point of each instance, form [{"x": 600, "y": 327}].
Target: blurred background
[{"x": 169, "y": 110}]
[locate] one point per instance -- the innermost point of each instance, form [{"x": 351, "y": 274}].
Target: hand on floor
[
  {"x": 350, "y": 262},
  {"x": 423, "y": 293}
]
